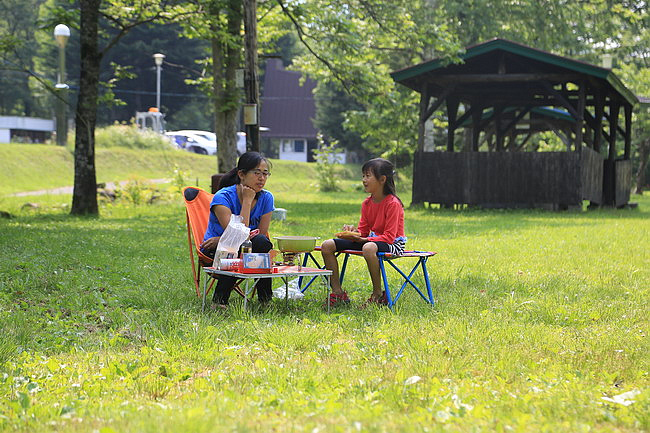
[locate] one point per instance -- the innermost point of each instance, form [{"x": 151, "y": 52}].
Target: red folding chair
[{"x": 197, "y": 212}]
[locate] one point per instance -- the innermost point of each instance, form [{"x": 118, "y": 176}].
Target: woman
[{"x": 241, "y": 193}]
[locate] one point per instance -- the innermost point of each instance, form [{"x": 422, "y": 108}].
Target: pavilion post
[
  {"x": 580, "y": 121},
  {"x": 628, "y": 131},
  {"x": 422, "y": 118},
  {"x": 598, "y": 126},
  {"x": 613, "y": 126},
  {"x": 476, "y": 126},
  {"x": 497, "y": 127},
  {"x": 452, "y": 112}
]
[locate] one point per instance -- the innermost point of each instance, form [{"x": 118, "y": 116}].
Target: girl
[
  {"x": 241, "y": 193},
  {"x": 381, "y": 229}
]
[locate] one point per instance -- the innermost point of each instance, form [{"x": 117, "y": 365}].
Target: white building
[{"x": 30, "y": 129}]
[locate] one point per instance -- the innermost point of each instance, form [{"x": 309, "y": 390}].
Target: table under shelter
[{"x": 502, "y": 94}]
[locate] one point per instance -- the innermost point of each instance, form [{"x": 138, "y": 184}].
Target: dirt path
[{"x": 68, "y": 189}]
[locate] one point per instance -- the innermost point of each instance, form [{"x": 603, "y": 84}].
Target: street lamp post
[
  {"x": 158, "y": 58},
  {"x": 61, "y": 35}
]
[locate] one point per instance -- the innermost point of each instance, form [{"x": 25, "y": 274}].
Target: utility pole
[{"x": 251, "y": 78}]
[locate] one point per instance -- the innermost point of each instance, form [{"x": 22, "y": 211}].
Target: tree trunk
[
  {"x": 226, "y": 56},
  {"x": 644, "y": 153},
  {"x": 84, "y": 196},
  {"x": 252, "y": 79}
]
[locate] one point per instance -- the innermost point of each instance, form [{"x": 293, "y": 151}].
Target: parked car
[
  {"x": 192, "y": 142},
  {"x": 201, "y": 137}
]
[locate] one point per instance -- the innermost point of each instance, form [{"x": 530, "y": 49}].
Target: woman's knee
[{"x": 261, "y": 244}]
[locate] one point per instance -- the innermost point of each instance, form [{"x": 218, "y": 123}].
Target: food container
[
  {"x": 233, "y": 265},
  {"x": 296, "y": 244},
  {"x": 256, "y": 263}
]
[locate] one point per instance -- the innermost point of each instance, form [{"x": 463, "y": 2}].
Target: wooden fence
[{"x": 508, "y": 179}]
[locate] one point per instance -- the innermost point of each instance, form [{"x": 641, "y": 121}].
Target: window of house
[{"x": 295, "y": 146}]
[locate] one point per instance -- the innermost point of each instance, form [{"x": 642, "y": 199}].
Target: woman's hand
[
  {"x": 247, "y": 193},
  {"x": 210, "y": 244},
  {"x": 349, "y": 228}
]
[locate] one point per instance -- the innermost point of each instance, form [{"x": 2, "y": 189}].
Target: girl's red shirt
[{"x": 384, "y": 219}]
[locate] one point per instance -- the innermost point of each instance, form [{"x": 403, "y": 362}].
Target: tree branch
[{"x": 300, "y": 32}]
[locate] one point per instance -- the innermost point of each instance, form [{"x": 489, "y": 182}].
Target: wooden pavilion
[{"x": 505, "y": 92}]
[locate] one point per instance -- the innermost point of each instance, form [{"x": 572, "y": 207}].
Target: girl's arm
[
  {"x": 364, "y": 228},
  {"x": 394, "y": 212}
]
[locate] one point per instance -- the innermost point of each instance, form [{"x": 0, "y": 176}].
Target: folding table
[{"x": 283, "y": 272}]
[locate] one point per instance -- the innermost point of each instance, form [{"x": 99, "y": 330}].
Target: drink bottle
[{"x": 246, "y": 247}]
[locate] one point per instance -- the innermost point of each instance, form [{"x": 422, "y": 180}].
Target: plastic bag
[
  {"x": 293, "y": 291},
  {"x": 233, "y": 236}
]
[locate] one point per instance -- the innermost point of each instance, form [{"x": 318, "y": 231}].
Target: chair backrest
[{"x": 197, "y": 205}]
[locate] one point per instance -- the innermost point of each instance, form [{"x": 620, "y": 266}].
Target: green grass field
[{"x": 540, "y": 317}]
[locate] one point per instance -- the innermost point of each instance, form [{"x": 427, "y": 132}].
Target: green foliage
[
  {"x": 36, "y": 166},
  {"x": 129, "y": 136},
  {"x": 326, "y": 166},
  {"x": 137, "y": 191},
  {"x": 539, "y": 316}
]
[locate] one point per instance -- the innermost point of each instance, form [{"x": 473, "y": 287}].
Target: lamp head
[
  {"x": 61, "y": 34},
  {"x": 158, "y": 58}
]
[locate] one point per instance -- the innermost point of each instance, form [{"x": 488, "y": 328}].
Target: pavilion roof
[{"x": 485, "y": 58}]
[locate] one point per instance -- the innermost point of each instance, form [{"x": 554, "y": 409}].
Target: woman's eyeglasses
[{"x": 260, "y": 173}]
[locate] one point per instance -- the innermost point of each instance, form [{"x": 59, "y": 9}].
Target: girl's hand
[
  {"x": 350, "y": 236},
  {"x": 349, "y": 228},
  {"x": 247, "y": 193}
]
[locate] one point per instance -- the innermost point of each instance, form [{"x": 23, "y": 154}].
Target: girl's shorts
[{"x": 396, "y": 249}]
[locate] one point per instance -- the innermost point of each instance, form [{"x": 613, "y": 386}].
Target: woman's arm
[
  {"x": 247, "y": 197},
  {"x": 265, "y": 222},
  {"x": 223, "y": 214}
]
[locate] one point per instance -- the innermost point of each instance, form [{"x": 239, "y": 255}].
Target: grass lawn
[{"x": 539, "y": 318}]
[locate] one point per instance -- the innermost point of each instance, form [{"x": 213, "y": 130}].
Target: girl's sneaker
[
  {"x": 337, "y": 299},
  {"x": 381, "y": 301}
]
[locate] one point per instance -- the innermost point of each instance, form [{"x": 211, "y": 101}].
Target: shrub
[
  {"x": 326, "y": 166},
  {"x": 129, "y": 136}
]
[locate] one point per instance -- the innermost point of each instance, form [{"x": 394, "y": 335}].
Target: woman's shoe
[{"x": 218, "y": 307}]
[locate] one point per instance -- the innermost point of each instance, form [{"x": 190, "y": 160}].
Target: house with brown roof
[{"x": 287, "y": 111}]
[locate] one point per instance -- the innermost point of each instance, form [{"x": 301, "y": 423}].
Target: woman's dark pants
[{"x": 261, "y": 244}]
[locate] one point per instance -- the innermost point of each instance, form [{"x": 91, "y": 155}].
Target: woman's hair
[
  {"x": 382, "y": 167},
  {"x": 247, "y": 162}
]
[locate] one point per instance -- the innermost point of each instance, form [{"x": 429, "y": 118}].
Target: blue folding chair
[{"x": 384, "y": 258}]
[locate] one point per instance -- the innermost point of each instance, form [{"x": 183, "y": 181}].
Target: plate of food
[{"x": 349, "y": 235}]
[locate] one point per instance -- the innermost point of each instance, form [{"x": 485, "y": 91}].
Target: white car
[
  {"x": 197, "y": 143},
  {"x": 205, "y": 142}
]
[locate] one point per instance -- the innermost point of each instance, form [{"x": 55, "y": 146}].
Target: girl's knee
[
  {"x": 369, "y": 249},
  {"x": 328, "y": 246}
]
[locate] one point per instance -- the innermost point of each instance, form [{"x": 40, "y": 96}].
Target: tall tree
[
  {"x": 118, "y": 17},
  {"x": 220, "y": 22},
  {"x": 18, "y": 25}
]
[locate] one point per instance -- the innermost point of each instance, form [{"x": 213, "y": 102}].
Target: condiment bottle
[{"x": 246, "y": 247}]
